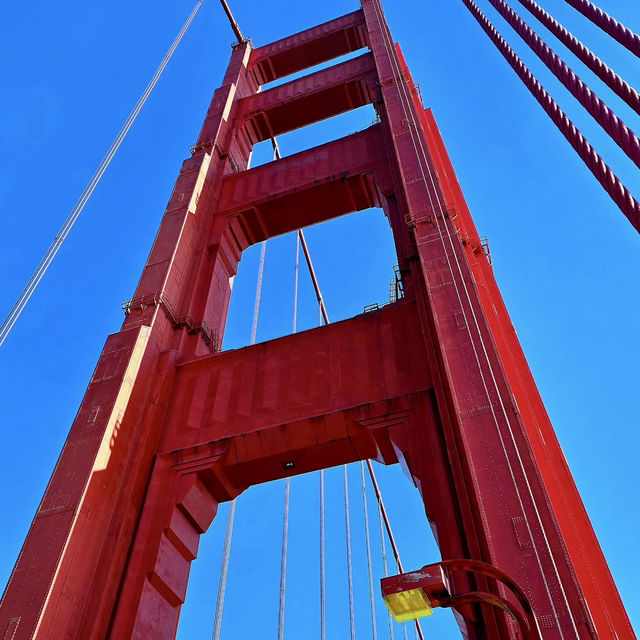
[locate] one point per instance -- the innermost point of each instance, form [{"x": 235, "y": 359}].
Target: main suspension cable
[
  {"x": 615, "y": 29},
  {"x": 605, "y": 73},
  {"x": 61, "y": 236},
  {"x": 598, "y": 167},
  {"x": 618, "y": 131}
]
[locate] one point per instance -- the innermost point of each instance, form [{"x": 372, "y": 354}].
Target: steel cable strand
[
  {"x": 584, "y": 54},
  {"x": 323, "y": 599},
  {"x": 347, "y": 521},
  {"x": 384, "y": 563},
  {"x": 608, "y": 24},
  {"x": 394, "y": 547},
  {"x": 224, "y": 571},
  {"x": 601, "y": 171},
  {"x": 283, "y": 560},
  {"x": 406, "y": 102},
  {"x": 624, "y": 137},
  {"x": 368, "y": 544},
  {"x": 226, "y": 553},
  {"x": 323, "y": 315},
  {"x": 64, "y": 231}
]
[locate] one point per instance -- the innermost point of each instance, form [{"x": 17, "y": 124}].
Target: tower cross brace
[{"x": 170, "y": 427}]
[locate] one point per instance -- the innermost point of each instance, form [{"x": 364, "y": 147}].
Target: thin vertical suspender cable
[
  {"x": 295, "y": 284},
  {"x": 287, "y": 482},
  {"x": 323, "y": 598},
  {"x": 385, "y": 568},
  {"x": 347, "y": 521},
  {"x": 283, "y": 559},
  {"x": 372, "y": 474},
  {"x": 312, "y": 273},
  {"x": 224, "y": 570},
  {"x": 256, "y": 308},
  {"x": 387, "y": 524},
  {"x": 368, "y": 543},
  {"x": 61, "y": 236}
]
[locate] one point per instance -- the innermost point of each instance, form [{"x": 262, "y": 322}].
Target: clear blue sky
[{"x": 565, "y": 258}]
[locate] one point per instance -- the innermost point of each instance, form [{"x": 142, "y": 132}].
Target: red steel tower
[{"x": 170, "y": 426}]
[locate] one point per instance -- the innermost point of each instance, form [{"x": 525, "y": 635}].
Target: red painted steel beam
[
  {"x": 305, "y": 188},
  {"x": 590, "y": 564},
  {"x": 309, "y": 99},
  {"x": 67, "y": 579},
  {"x": 308, "y": 48},
  {"x": 246, "y": 393},
  {"x": 488, "y": 444}
]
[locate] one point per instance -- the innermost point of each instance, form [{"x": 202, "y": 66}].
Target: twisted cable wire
[
  {"x": 604, "y": 72},
  {"x": 624, "y": 137},
  {"x": 61, "y": 236},
  {"x": 224, "y": 571},
  {"x": 384, "y": 563},
  {"x": 323, "y": 599},
  {"x": 601, "y": 171},
  {"x": 347, "y": 520},
  {"x": 256, "y": 308},
  {"x": 283, "y": 559},
  {"x": 615, "y": 29},
  {"x": 368, "y": 543}
]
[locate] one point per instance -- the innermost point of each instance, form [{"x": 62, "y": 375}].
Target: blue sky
[{"x": 565, "y": 258}]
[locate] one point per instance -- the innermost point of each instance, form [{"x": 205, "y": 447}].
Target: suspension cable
[
  {"x": 385, "y": 568},
  {"x": 601, "y": 171},
  {"x": 368, "y": 542},
  {"x": 295, "y": 284},
  {"x": 224, "y": 571},
  {"x": 383, "y": 510},
  {"x": 283, "y": 558},
  {"x": 347, "y": 520},
  {"x": 61, "y": 236},
  {"x": 256, "y": 307},
  {"x": 384, "y": 517},
  {"x": 314, "y": 279},
  {"x": 232, "y": 22},
  {"x": 287, "y": 483},
  {"x": 372, "y": 474},
  {"x": 605, "y": 73},
  {"x": 305, "y": 248},
  {"x": 618, "y": 131},
  {"x": 615, "y": 29},
  {"x": 323, "y": 598}
]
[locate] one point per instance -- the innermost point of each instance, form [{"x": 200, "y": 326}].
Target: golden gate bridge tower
[{"x": 171, "y": 426}]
